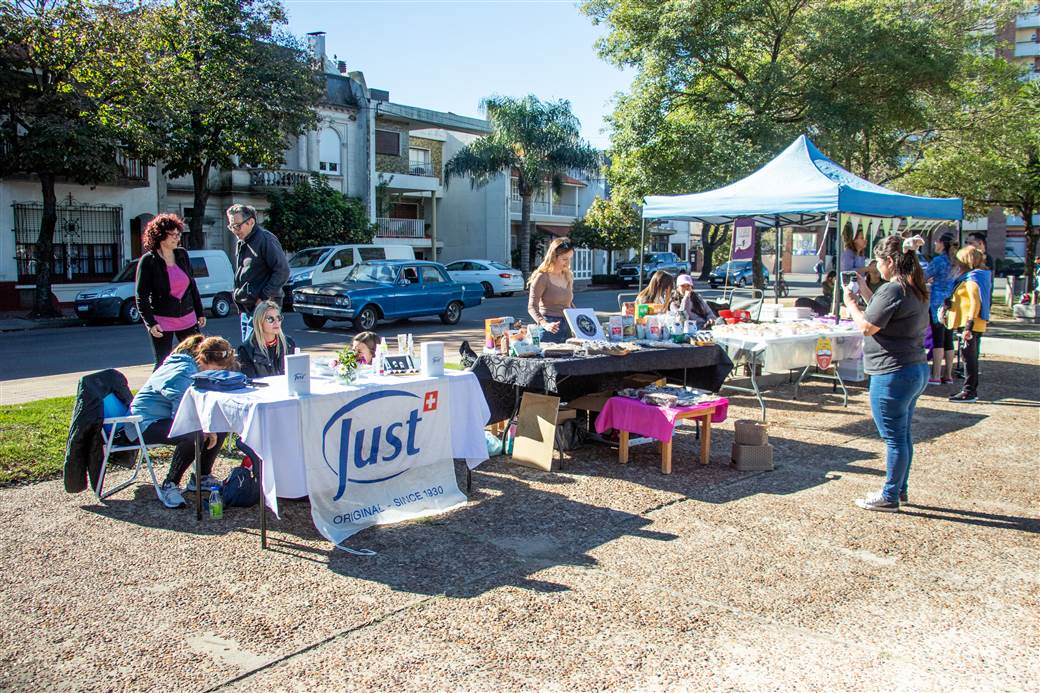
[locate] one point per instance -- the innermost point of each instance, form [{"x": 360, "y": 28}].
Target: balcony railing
[
  {"x": 418, "y": 168},
  {"x": 1025, "y": 49},
  {"x": 399, "y": 228},
  {"x": 267, "y": 178},
  {"x": 1029, "y": 20},
  {"x": 133, "y": 169},
  {"x": 563, "y": 209}
]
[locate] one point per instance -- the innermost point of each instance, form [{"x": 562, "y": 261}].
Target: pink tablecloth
[{"x": 627, "y": 414}]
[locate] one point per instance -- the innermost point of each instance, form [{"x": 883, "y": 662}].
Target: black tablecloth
[{"x": 703, "y": 367}]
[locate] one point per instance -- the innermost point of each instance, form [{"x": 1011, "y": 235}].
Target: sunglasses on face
[
  {"x": 233, "y": 226},
  {"x": 273, "y": 318},
  {"x": 566, "y": 245}
]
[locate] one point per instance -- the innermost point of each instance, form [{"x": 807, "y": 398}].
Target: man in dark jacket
[{"x": 261, "y": 268}]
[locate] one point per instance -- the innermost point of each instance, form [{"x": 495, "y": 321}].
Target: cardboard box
[
  {"x": 752, "y": 458},
  {"x": 748, "y": 432}
]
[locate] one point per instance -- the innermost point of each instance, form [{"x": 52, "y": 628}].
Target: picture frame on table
[{"x": 583, "y": 323}]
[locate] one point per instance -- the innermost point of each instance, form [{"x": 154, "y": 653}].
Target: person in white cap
[{"x": 693, "y": 306}]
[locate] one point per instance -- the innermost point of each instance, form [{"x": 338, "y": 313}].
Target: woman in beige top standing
[{"x": 552, "y": 291}]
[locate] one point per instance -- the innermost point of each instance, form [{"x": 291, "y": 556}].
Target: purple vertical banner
[{"x": 743, "y": 246}]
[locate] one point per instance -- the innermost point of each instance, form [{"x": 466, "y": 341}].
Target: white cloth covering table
[{"x": 268, "y": 421}]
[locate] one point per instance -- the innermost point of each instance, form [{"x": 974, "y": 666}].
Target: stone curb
[
  {"x": 23, "y": 324},
  {"x": 1015, "y": 348}
]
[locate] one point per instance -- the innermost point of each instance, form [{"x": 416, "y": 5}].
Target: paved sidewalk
[{"x": 601, "y": 577}]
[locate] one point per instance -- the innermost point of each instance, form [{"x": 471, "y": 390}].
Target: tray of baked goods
[{"x": 596, "y": 347}]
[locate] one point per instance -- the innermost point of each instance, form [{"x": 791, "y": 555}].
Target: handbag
[
  {"x": 240, "y": 489},
  {"x": 221, "y": 381}
]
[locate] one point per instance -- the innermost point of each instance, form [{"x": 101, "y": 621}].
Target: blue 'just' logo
[{"x": 361, "y": 452}]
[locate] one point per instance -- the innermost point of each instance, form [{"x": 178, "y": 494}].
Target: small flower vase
[{"x": 348, "y": 377}]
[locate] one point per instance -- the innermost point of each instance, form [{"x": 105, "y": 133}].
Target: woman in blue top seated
[
  {"x": 941, "y": 271},
  {"x": 157, "y": 401}
]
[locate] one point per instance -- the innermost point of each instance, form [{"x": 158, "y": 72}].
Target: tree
[
  {"x": 722, "y": 86},
  {"x": 608, "y": 225},
  {"x": 218, "y": 84},
  {"x": 713, "y": 238},
  {"x": 51, "y": 120},
  {"x": 538, "y": 141},
  {"x": 314, "y": 213},
  {"x": 991, "y": 158}
]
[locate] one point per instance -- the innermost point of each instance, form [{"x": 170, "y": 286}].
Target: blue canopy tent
[{"x": 800, "y": 187}]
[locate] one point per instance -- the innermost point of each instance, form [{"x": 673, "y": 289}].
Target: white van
[
  {"x": 331, "y": 263},
  {"x": 115, "y": 301}
]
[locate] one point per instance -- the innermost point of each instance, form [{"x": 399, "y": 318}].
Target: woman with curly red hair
[{"x": 167, "y": 297}]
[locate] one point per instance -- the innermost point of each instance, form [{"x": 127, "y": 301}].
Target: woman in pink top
[
  {"x": 552, "y": 291},
  {"x": 167, "y": 297}
]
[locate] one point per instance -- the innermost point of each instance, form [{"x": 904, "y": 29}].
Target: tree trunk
[
  {"x": 200, "y": 185},
  {"x": 42, "y": 306},
  {"x": 711, "y": 238},
  {"x": 524, "y": 239},
  {"x": 1032, "y": 234},
  {"x": 756, "y": 261}
]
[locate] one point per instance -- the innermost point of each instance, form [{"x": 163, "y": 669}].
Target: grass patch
[{"x": 32, "y": 439}]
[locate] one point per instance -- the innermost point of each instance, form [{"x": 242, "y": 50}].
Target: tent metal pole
[
  {"x": 776, "y": 264},
  {"x": 960, "y": 232},
  {"x": 836, "y": 292},
  {"x": 642, "y": 247}
]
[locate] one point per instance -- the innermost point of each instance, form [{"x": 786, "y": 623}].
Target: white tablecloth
[
  {"x": 268, "y": 421},
  {"x": 781, "y": 354}
]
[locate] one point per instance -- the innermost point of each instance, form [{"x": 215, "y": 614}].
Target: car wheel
[
  {"x": 742, "y": 283},
  {"x": 452, "y": 314},
  {"x": 128, "y": 312},
  {"x": 315, "y": 322},
  {"x": 366, "y": 319},
  {"x": 507, "y": 294},
  {"x": 221, "y": 306},
  {"x": 489, "y": 290}
]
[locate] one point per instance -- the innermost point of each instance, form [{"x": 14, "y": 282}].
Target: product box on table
[
  {"x": 748, "y": 432},
  {"x": 752, "y": 458},
  {"x": 494, "y": 328}
]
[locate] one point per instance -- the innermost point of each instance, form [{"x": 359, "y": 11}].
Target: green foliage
[
  {"x": 218, "y": 83},
  {"x": 609, "y": 224},
  {"x": 538, "y": 140},
  {"x": 720, "y": 255},
  {"x": 53, "y": 105},
  {"x": 313, "y": 213},
  {"x": 32, "y": 439},
  {"x": 990, "y": 154}
]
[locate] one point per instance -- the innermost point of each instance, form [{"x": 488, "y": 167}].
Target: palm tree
[{"x": 539, "y": 140}]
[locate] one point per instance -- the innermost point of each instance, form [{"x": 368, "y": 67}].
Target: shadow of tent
[{"x": 798, "y": 466}]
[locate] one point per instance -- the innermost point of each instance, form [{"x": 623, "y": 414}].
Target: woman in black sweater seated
[
  {"x": 167, "y": 297},
  {"x": 264, "y": 354}
]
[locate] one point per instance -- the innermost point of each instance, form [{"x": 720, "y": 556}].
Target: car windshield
[
  {"x": 499, "y": 265},
  {"x": 128, "y": 273},
  {"x": 371, "y": 273},
  {"x": 307, "y": 258},
  {"x": 732, "y": 266}
]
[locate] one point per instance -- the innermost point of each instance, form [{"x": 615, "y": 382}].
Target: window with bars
[{"x": 88, "y": 242}]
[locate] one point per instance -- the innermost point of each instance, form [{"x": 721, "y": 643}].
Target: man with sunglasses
[{"x": 261, "y": 268}]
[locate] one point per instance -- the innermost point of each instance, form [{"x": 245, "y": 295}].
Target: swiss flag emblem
[{"x": 430, "y": 401}]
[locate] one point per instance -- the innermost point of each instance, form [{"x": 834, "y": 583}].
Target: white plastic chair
[{"x": 110, "y": 427}]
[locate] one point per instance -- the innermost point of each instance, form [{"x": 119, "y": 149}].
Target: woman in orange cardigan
[{"x": 968, "y": 310}]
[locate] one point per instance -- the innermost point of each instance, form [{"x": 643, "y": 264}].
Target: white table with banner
[
  {"x": 374, "y": 452},
  {"x": 821, "y": 349}
]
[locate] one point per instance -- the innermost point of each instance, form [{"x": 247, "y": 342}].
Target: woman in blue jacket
[
  {"x": 157, "y": 401},
  {"x": 941, "y": 271}
]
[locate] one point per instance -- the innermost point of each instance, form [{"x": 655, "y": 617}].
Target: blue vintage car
[{"x": 387, "y": 289}]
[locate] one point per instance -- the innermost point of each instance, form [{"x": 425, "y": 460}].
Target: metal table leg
[{"x": 263, "y": 503}]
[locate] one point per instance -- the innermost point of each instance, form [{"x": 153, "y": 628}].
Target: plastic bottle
[
  {"x": 216, "y": 504},
  {"x": 411, "y": 346},
  {"x": 510, "y": 436}
]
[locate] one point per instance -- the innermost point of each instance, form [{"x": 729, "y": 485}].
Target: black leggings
[
  {"x": 942, "y": 337},
  {"x": 162, "y": 346},
  {"x": 184, "y": 452},
  {"x": 971, "y": 363}
]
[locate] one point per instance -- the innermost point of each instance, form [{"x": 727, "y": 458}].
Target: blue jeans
[{"x": 893, "y": 398}]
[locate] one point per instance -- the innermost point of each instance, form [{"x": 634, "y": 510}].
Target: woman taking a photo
[
  {"x": 264, "y": 353},
  {"x": 969, "y": 311},
  {"x": 552, "y": 291},
  {"x": 167, "y": 297},
  {"x": 692, "y": 306},
  {"x": 893, "y": 325},
  {"x": 157, "y": 401}
]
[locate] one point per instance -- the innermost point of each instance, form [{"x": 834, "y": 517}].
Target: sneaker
[
  {"x": 904, "y": 497},
  {"x": 208, "y": 482},
  {"x": 878, "y": 502},
  {"x": 170, "y": 495},
  {"x": 947, "y": 381},
  {"x": 934, "y": 381},
  {"x": 963, "y": 397}
]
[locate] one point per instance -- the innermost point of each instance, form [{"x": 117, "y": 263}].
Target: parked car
[
  {"x": 388, "y": 289},
  {"x": 494, "y": 276},
  {"x": 739, "y": 272},
  {"x": 116, "y": 301},
  {"x": 332, "y": 263},
  {"x": 628, "y": 272}
]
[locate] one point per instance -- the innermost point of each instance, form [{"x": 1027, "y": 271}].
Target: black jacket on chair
[
  {"x": 85, "y": 447},
  {"x": 153, "y": 288},
  {"x": 257, "y": 364}
]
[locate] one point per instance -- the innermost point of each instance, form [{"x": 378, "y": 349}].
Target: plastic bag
[{"x": 494, "y": 444}]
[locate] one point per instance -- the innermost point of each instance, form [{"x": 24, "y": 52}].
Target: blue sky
[{"x": 448, "y": 54}]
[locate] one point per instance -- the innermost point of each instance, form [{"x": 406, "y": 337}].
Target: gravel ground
[{"x": 599, "y": 577}]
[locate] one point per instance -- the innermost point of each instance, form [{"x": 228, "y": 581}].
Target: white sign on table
[{"x": 383, "y": 456}]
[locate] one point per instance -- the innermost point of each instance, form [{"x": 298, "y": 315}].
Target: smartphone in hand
[{"x": 850, "y": 280}]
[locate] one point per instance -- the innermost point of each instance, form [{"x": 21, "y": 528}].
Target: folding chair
[{"x": 109, "y": 430}]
